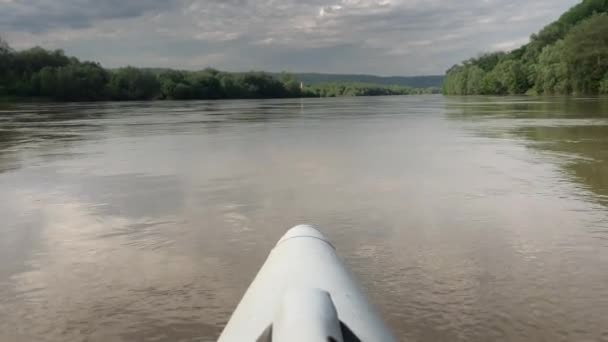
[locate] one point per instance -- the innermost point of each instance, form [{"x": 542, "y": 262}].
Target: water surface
[{"x": 465, "y": 219}]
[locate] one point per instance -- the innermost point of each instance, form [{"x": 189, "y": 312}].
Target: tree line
[
  {"x": 41, "y": 73},
  {"x": 406, "y": 81},
  {"x": 364, "y": 89},
  {"x": 569, "y": 56}
]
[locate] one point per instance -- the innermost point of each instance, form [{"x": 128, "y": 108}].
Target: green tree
[
  {"x": 48, "y": 81},
  {"x": 511, "y": 77},
  {"x": 263, "y": 85},
  {"x": 5, "y": 65},
  {"x": 604, "y": 85},
  {"x": 51, "y": 74},
  {"x": 358, "y": 89},
  {"x": 455, "y": 82},
  {"x": 568, "y": 55},
  {"x": 183, "y": 91},
  {"x": 231, "y": 88},
  {"x": 205, "y": 84},
  {"x": 168, "y": 82},
  {"x": 34, "y": 59},
  {"x": 290, "y": 83},
  {"x": 487, "y": 61},
  {"x": 551, "y": 75},
  {"x": 490, "y": 85},
  {"x": 133, "y": 84},
  {"x": 586, "y": 53},
  {"x": 475, "y": 76}
]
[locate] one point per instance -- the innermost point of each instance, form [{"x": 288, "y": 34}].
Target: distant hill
[{"x": 410, "y": 81}]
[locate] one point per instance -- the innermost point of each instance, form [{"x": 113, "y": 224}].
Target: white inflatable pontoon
[{"x": 303, "y": 293}]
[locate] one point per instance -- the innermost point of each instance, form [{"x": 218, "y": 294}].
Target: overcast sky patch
[{"x": 386, "y": 37}]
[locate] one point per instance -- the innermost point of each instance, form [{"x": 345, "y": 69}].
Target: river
[{"x": 465, "y": 219}]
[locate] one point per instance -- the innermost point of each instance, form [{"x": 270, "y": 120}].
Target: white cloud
[{"x": 510, "y": 44}]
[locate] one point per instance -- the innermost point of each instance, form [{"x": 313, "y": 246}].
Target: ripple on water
[{"x": 465, "y": 219}]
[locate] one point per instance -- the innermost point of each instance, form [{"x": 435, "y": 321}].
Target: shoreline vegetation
[
  {"x": 567, "y": 57},
  {"x": 38, "y": 74}
]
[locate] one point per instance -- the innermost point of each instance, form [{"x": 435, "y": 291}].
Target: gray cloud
[
  {"x": 362, "y": 36},
  {"x": 43, "y": 15}
]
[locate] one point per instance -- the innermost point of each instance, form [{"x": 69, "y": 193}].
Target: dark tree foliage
[
  {"x": 568, "y": 56},
  {"x": 5, "y": 63},
  {"x": 133, "y": 84},
  {"x": 47, "y": 74},
  {"x": 586, "y": 54},
  {"x": 364, "y": 89},
  {"x": 73, "y": 82}
]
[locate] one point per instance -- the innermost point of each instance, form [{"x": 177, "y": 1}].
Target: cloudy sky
[{"x": 385, "y": 37}]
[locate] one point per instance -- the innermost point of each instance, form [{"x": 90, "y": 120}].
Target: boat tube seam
[{"x": 306, "y": 236}]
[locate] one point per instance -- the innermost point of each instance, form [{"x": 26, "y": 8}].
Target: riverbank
[
  {"x": 569, "y": 56},
  {"x": 38, "y": 73}
]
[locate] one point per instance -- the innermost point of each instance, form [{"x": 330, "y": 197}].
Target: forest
[
  {"x": 38, "y": 73},
  {"x": 569, "y": 56}
]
